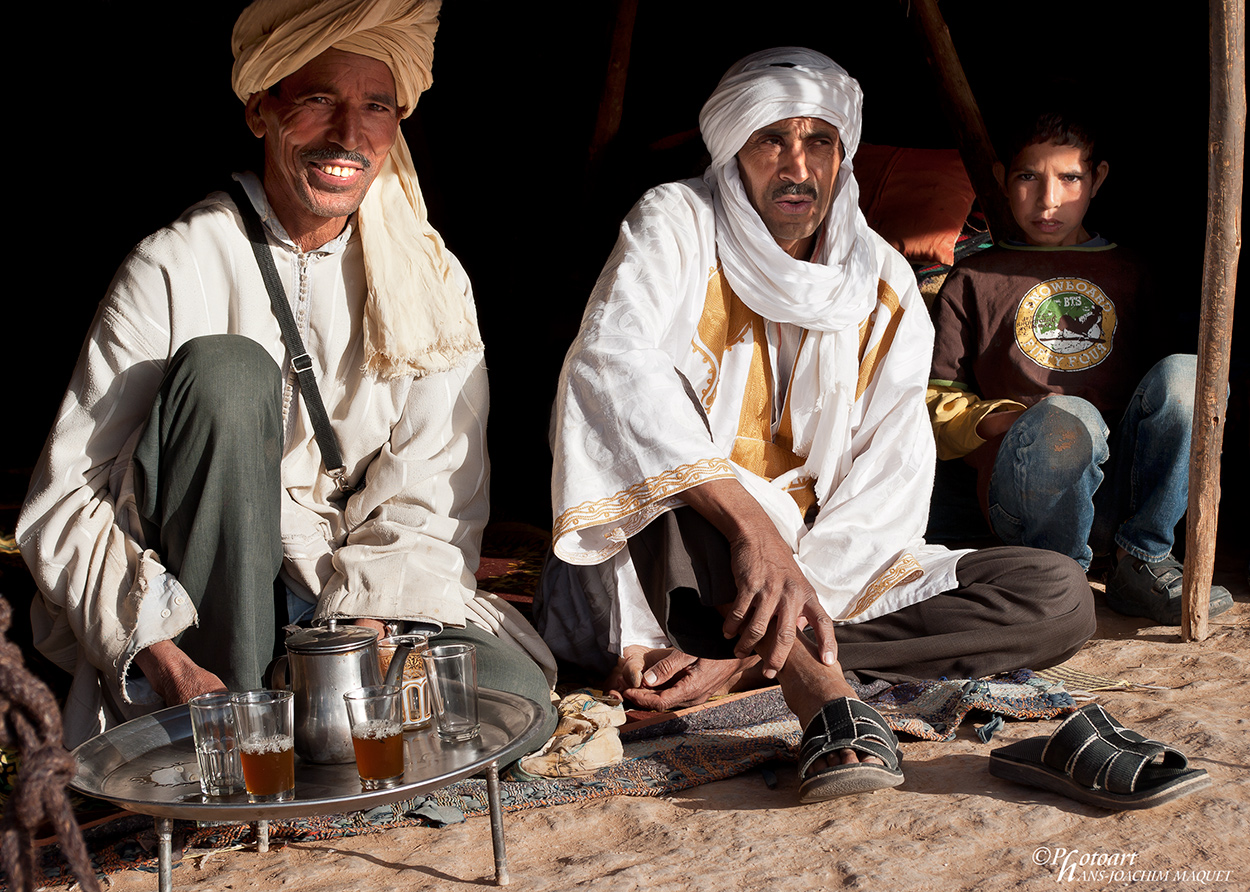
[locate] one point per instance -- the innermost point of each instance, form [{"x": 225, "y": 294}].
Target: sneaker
[{"x": 1153, "y": 589}]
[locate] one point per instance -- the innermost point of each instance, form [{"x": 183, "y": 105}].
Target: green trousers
[{"x": 208, "y": 485}]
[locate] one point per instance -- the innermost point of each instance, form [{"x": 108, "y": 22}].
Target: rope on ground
[{"x": 32, "y": 724}]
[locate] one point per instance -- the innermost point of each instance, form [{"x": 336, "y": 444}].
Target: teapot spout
[{"x": 403, "y": 646}]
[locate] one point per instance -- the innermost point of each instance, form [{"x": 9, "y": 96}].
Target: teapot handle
[{"x": 278, "y": 674}]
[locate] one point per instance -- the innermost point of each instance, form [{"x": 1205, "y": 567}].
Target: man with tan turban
[
  {"x": 182, "y": 511},
  {"x": 742, "y": 449}
]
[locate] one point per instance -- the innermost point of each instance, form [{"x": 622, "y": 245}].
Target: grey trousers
[
  {"x": 208, "y": 484},
  {"x": 1013, "y": 608}
]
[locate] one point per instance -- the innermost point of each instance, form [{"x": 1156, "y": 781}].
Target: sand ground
[{"x": 950, "y": 826}]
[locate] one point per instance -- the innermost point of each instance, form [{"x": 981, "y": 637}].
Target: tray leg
[
  {"x": 261, "y": 831},
  {"x": 165, "y": 853},
  {"x": 496, "y": 825}
]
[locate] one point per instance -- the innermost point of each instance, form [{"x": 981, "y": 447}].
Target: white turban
[
  {"x": 418, "y": 316},
  {"x": 837, "y": 288}
]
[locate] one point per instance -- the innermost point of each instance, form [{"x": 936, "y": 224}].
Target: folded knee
[
  {"x": 223, "y": 374},
  {"x": 227, "y": 357},
  {"x": 1061, "y": 433},
  {"x": 231, "y": 363},
  {"x": 1169, "y": 386},
  {"x": 1180, "y": 370}
]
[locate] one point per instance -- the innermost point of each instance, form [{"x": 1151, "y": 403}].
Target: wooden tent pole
[
  {"x": 1225, "y": 157},
  {"x": 612, "y": 98},
  {"x": 961, "y": 109}
]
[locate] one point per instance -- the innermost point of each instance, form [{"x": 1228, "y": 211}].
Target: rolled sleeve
[{"x": 415, "y": 529}]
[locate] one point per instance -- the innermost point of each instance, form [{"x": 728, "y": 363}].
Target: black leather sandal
[
  {"x": 847, "y": 724},
  {"x": 1094, "y": 759}
]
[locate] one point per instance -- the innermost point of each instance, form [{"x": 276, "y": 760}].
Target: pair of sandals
[{"x": 1091, "y": 758}]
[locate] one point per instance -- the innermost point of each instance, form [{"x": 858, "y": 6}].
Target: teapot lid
[{"x": 331, "y": 639}]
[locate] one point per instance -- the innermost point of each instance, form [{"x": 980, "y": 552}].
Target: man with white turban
[
  {"x": 182, "y": 511},
  {"x": 742, "y": 449}
]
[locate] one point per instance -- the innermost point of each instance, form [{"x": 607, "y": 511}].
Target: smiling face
[
  {"x": 788, "y": 169},
  {"x": 327, "y": 128},
  {"x": 1049, "y": 188}
]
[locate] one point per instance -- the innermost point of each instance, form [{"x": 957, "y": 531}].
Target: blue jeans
[{"x": 1046, "y": 487}]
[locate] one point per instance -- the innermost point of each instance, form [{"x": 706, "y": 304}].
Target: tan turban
[{"x": 418, "y": 316}]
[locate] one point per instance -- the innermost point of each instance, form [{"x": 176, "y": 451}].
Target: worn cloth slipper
[
  {"x": 847, "y": 724},
  {"x": 1094, "y": 759}
]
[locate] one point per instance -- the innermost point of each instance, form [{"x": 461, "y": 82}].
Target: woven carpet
[
  {"x": 1083, "y": 685},
  {"x": 691, "y": 747}
]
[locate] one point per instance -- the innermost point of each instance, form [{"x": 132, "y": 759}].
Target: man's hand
[
  {"x": 174, "y": 676},
  {"x": 775, "y": 601},
  {"x": 667, "y": 678}
]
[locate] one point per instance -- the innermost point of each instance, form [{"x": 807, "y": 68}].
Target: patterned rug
[{"x": 691, "y": 747}]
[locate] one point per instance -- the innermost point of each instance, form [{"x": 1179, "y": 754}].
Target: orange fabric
[{"x": 916, "y": 199}]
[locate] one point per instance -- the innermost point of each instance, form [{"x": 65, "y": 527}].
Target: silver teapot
[{"x": 325, "y": 663}]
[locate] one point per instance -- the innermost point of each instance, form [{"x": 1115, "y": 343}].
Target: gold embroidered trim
[
  {"x": 869, "y": 361},
  {"x": 905, "y": 569},
  {"x": 640, "y": 495},
  {"x": 723, "y": 325},
  {"x": 617, "y": 536}
]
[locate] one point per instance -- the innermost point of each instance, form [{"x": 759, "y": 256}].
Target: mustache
[
  {"x": 329, "y": 154},
  {"x": 805, "y": 189}
]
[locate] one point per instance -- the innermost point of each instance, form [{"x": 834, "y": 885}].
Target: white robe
[
  {"x": 628, "y": 439},
  {"x": 403, "y": 547}
]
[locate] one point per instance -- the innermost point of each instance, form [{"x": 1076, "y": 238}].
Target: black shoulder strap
[{"x": 300, "y": 360}]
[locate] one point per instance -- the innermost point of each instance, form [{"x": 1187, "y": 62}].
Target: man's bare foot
[
  {"x": 844, "y": 757},
  {"x": 808, "y": 684},
  {"x": 826, "y": 773}
]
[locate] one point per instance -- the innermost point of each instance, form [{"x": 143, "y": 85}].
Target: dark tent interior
[{"x": 141, "y": 122}]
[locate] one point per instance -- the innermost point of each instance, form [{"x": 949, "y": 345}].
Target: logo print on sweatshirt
[{"x": 1066, "y": 324}]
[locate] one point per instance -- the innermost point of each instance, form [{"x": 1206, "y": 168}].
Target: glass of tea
[
  {"x": 264, "y": 722},
  {"x": 377, "y": 723}
]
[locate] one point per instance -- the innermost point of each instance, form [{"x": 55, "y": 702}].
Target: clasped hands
[
  {"x": 774, "y": 603},
  {"x": 667, "y": 678}
]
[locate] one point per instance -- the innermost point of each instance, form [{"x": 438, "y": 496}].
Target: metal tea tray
[{"x": 148, "y": 765}]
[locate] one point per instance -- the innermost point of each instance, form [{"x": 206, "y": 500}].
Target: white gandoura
[{"x": 708, "y": 352}]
